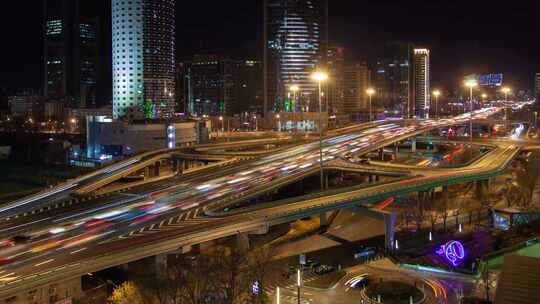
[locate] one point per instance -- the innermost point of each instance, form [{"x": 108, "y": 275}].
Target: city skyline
[{"x": 491, "y": 39}]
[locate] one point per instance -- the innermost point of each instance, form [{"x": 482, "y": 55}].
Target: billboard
[{"x": 490, "y": 80}]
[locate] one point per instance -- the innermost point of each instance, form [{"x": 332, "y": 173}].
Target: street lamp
[
  {"x": 298, "y": 283},
  {"x": 506, "y": 91},
  {"x": 484, "y": 97},
  {"x": 294, "y": 89},
  {"x": 256, "y": 125},
  {"x": 222, "y": 126},
  {"x": 279, "y": 122},
  {"x": 370, "y": 93},
  {"x": 437, "y": 93},
  {"x": 320, "y": 77},
  {"x": 535, "y": 118},
  {"x": 471, "y": 84}
]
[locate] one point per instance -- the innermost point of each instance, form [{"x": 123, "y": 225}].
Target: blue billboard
[{"x": 490, "y": 80}]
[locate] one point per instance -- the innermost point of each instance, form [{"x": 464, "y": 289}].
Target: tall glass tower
[
  {"x": 419, "y": 88},
  {"x": 296, "y": 44},
  {"x": 71, "y": 60},
  {"x": 143, "y": 58}
]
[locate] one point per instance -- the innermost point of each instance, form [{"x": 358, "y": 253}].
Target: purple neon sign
[{"x": 453, "y": 251}]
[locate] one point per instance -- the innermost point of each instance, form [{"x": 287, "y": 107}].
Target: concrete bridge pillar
[
  {"x": 396, "y": 150},
  {"x": 323, "y": 219},
  {"x": 381, "y": 154},
  {"x": 161, "y": 264},
  {"x": 157, "y": 167},
  {"x": 174, "y": 165},
  {"x": 242, "y": 240},
  {"x": 389, "y": 229},
  {"x": 482, "y": 188},
  {"x": 413, "y": 145},
  {"x": 147, "y": 172}
]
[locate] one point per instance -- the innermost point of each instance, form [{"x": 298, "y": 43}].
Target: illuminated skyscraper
[
  {"x": 419, "y": 88},
  {"x": 295, "y": 37},
  {"x": 143, "y": 58},
  {"x": 71, "y": 54},
  {"x": 537, "y": 88}
]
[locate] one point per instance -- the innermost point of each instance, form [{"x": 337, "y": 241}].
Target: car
[
  {"x": 4, "y": 261},
  {"x": 324, "y": 269}
]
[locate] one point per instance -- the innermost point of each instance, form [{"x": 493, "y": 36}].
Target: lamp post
[
  {"x": 294, "y": 89},
  {"x": 256, "y": 126},
  {"x": 278, "y": 296},
  {"x": 471, "y": 84},
  {"x": 370, "y": 92},
  {"x": 535, "y": 118},
  {"x": 506, "y": 91},
  {"x": 278, "y": 122},
  {"x": 436, "y": 93},
  {"x": 222, "y": 125},
  {"x": 298, "y": 283},
  {"x": 320, "y": 77}
]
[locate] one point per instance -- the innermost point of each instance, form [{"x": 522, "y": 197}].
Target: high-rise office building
[
  {"x": 391, "y": 76},
  {"x": 143, "y": 58},
  {"x": 419, "y": 88},
  {"x": 71, "y": 51},
  {"x": 356, "y": 81},
  {"x": 211, "y": 82},
  {"x": 335, "y": 67},
  {"x": 295, "y": 37},
  {"x": 248, "y": 83},
  {"x": 537, "y": 87}
]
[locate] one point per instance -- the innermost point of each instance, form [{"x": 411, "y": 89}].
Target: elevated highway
[{"x": 150, "y": 223}]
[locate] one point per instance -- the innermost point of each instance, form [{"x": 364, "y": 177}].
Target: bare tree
[
  {"x": 260, "y": 265},
  {"x": 232, "y": 276}
]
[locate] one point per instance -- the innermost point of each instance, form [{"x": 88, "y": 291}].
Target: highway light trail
[{"x": 64, "y": 236}]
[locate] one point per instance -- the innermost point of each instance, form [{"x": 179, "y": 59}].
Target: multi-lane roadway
[{"x": 135, "y": 225}]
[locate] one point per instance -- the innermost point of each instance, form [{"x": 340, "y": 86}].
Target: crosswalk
[
  {"x": 189, "y": 218},
  {"x": 289, "y": 290}
]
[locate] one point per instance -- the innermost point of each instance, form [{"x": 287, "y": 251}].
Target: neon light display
[{"x": 453, "y": 251}]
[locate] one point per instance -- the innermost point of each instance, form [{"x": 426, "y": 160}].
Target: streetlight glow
[
  {"x": 319, "y": 76},
  {"x": 294, "y": 88},
  {"x": 370, "y": 92},
  {"x": 437, "y": 93},
  {"x": 471, "y": 83}
]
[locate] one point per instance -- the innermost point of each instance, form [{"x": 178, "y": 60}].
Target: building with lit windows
[
  {"x": 295, "y": 36},
  {"x": 419, "y": 88},
  {"x": 537, "y": 87},
  {"x": 143, "y": 41},
  {"x": 391, "y": 76},
  {"x": 71, "y": 30},
  {"x": 335, "y": 67},
  {"x": 356, "y": 81}
]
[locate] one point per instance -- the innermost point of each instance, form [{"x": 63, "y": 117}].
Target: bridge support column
[
  {"x": 242, "y": 239},
  {"x": 389, "y": 229},
  {"x": 174, "y": 165},
  {"x": 413, "y": 145},
  {"x": 161, "y": 264},
  {"x": 482, "y": 188},
  {"x": 323, "y": 219},
  {"x": 157, "y": 167},
  {"x": 147, "y": 173},
  {"x": 381, "y": 154},
  {"x": 396, "y": 150}
]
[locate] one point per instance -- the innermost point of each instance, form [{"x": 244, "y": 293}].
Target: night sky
[{"x": 464, "y": 36}]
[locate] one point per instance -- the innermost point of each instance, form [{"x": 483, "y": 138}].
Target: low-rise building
[{"x": 108, "y": 139}]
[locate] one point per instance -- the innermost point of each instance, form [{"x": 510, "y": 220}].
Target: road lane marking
[
  {"x": 78, "y": 250},
  {"x": 43, "y": 263}
]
